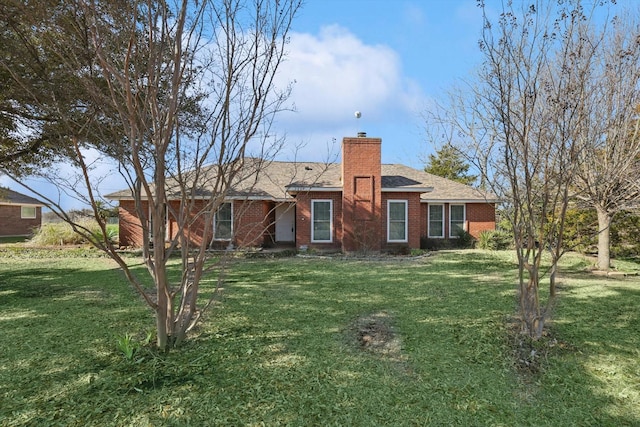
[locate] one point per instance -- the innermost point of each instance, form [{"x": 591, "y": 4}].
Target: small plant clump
[
  {"x": 62, "y": 234},
  {"x": 129, "y": 346}
]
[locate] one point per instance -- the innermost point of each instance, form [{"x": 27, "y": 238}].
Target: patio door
[{"x": 285, "y": 223}]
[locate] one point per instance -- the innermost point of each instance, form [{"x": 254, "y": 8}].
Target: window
[
  {"x": 397, "y": 221},
  {"x": 436, "y": 221},
  {"x": 456, "y": 220},
  {"x": 321, "y": 221},
  {"x": 223, "y": 222},
  {"x": 167, "y": 226},
  {"x": 27, "y": 212}
]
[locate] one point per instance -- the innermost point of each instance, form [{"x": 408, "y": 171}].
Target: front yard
[{"x": 314, "y": 341}]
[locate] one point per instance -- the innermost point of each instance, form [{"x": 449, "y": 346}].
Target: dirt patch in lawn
[
  {"x": 530, "y": 356},
  {"x": 375, "y": 334}
]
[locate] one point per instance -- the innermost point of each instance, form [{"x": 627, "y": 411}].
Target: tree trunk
[
  {"x": 552, "y": 279},
  {"x": 533, "y": 322},
  {"x": 161, "y": 327},
  {"x": 604, "y": 239},
  {"x": 163, "y": 312}
]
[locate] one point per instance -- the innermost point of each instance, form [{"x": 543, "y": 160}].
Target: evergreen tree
[{"x": 448, "y": 163}]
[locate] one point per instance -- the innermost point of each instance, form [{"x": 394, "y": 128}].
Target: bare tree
[
  {"x": 185, "y": 85},
  {"x": 610, "y": 163},
  {"x": 519, "y": 125}
]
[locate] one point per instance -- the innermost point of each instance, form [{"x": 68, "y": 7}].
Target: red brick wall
[
  {"x": 251, "y": 222},
  {"x": 130, "y": 229},
  {"x": 424, "y": 215},
  {"x": 414, "y": 219},
  {"x": 201, "y": 222},
  {"x": 303, "y": 219},
  {"x": 362, "y": 200},
  {"x": 12, "y": 224},
  {"x": 172, "y": 223},
  {"x": 480, "y": 217}
]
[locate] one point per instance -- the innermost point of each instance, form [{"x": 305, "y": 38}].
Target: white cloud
[{"x": 336, "y": 74}]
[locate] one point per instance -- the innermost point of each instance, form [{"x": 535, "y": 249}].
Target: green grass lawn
[{"x": 286, "y": 345}]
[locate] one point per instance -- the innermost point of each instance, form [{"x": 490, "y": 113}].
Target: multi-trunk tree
[
  {"x": 524, "y": 121},
  {"x": 160, "y": 89},
  {"x": 609, "y": 165}
]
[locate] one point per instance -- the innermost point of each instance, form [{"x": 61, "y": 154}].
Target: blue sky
[{"x": 388, "y": 59}]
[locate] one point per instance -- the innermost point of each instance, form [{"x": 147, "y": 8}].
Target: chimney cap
[{"x": 362, "y": 134}]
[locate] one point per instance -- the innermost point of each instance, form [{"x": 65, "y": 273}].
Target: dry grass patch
[{"x": 375, "y": 334}]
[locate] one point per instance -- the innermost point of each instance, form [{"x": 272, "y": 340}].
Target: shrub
[
  {"x": 112, "y": 233},
  {"x": 581, "y": 233},
  {"x": 464, "y": 240},
  {"x": 494, "y": 240},
  {"x": 60, "y": 234},
  {"x": 397, "y": 250},
  {"x": 580, "y": 230},
  {"x": 129, "y": 346},
  {"x": 625, "y": 229},
  {"x": 434, "y": 244}
]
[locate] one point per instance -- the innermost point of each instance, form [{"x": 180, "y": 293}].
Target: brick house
[
  {"x": 20, "y": 215},
  {"x": 357, "y": 204}
]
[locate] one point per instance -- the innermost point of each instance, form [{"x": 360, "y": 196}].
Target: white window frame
[
  {"x": 313, "y": 237},
  {"x": 405, "y": 221},
  {"x": 452, "y": 235},
  {"x": 166, "y": 222},
  {"x": 215, "y": 220},
  {"x": 429, "y": 235},
  {"x": 23, "y": 214},
  {"x": 167, "y": 227}
]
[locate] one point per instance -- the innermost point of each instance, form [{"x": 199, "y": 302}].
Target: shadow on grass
[
  {"x": 449, "y": 320},
  {"x": 13, "y": 240},
  {"x": 58, "y": 323},
  {"x": 274, "y": 352},
  {"x": 38, "y": 283},
  {"x": 592, "y": 353}
]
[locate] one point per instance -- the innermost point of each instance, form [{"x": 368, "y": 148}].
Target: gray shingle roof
[
  {"x": 443, "y": 189},
  {"x": 10, "y": 197},
  {"x": 275, "y": 179}
]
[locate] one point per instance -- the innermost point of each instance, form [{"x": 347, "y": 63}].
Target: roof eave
[
  {"x": 228, "y": 198},
  {"x": 459, "y": 201},
  {"x": 407, "y": 189},
  {"x": 302, "y": 188},
  {"x": 22, "y": 204}
]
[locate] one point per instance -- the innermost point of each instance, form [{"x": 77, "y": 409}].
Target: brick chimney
[{"x": 361, "y": 193}]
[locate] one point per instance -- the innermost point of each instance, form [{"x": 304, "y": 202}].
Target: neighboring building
[
  {"x": 20, "y": 215},
  {"x": 357, "y": 204}
]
